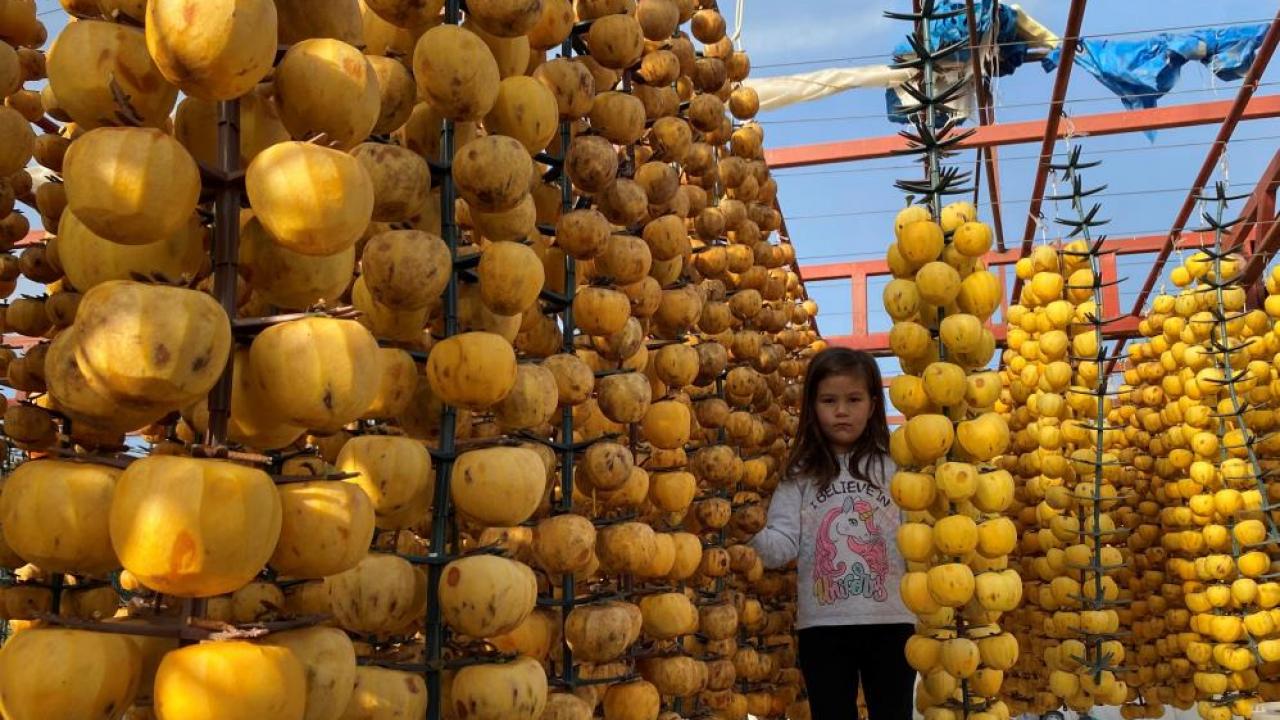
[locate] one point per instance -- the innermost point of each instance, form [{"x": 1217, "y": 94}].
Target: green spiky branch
[{"x": 1096, "y": 660}]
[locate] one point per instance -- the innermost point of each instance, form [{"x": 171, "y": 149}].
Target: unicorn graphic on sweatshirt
[{"x": 855, "y": 522}]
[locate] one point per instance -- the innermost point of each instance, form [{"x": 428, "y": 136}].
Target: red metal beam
[
  {"x": 19, "y": 342},
  {"x": 1119, "y": 246},
  {"x": 859, "y": 302},
  {"x": 1268, "y": 243},
  {"x": 1070, "y": 41},
  {"x": 1266, "y": 209},
  {"x": 986, "y": 117},
  {"x": 1258, "y": 237},
  {"x": 1260, "y": 208},
  {"x": 878, "y": 343},
  {"x": 1247, "y": 88},
  {"x": 991, "y": 158},
  {"x": 1115, "y": 123},
  {"x": 1111, "y": 274}
]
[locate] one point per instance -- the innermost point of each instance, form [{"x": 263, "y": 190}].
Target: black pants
[{"x": 836, "y": 659}]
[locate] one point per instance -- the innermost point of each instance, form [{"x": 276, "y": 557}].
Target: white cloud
[{"x": 781, "y": 34}]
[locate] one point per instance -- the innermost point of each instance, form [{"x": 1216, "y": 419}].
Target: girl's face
[{"x": 843, "y": 406}]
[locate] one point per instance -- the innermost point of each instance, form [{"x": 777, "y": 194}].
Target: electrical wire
[
  {"x": 883, "y": 56},
  {"x": 1123, "y": 193},
  {"x": 1145, "y": 262},
  {"x": 1069, "y": 101},
  {"x": 785, "y": 172},
  {"x": 1118, "y": 236},
  {"x": 873, "y": 312}
]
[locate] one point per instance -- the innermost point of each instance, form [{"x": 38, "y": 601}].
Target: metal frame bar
[
  {"x": 225, "y": 251},
  {"x": 1019, "y": 133},
  {"x": 566, "y": 452},
  {"x": 988, "y": 154},
  {"x": 1119, "y": 246},
  {"x": 1260, "y": 207},
  {"x": 877, "y": 343},
  {"x": 1260, "y": 235},
  {"x": 438, "y": 551},
  {"x": 1257, "y": 232},
  {"x": 1061, "y": 81}
]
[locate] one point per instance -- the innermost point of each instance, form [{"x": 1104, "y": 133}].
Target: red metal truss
[
  {"x": 1257, "y": 232},
  {"x": 1229, "y": 123},
  {"x": 878, "y": 343},
  {"x": 1115, "y": 123},
  {"x": 1000, "y": 263}
]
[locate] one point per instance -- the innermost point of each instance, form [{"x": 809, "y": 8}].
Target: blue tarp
[
  {"x": 1012, "y": 51},
  {"x": 1139, "y": 71},
  {"x": 1142, "y": 71}
]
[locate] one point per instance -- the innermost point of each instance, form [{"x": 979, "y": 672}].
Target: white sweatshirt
[{"x": 845, "y": 541}]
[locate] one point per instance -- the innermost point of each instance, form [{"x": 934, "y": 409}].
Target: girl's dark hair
[{"x": 811, "y": 455}]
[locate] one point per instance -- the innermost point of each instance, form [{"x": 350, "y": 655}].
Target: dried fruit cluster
[{"x": 482, "y": 330}]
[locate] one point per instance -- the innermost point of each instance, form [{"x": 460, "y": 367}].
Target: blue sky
[{"x": 1153, "y": 175}]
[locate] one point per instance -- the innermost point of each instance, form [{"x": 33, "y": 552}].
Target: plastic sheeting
[
  {"x": 1021, "y": 33},
  {"x": 1142, "y": 71},
  {"x": 962, "y": 107},
  {"x": 1011, "y": 45},
  {"x": 1007, "y": 36},
  {"x": 779, "y": 92},
  {"x": 1035, "y": 34}
]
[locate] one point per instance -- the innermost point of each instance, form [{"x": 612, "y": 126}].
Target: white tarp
[
  {"x": 39, "y": 175},
  {"x": 779, "y": 92}
]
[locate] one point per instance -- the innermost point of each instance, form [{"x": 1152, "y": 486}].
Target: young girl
[{"x": 832, "y": 512}]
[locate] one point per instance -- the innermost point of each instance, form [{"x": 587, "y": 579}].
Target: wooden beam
[
  {"x": 1161, "y": 118},
  {"x": 1071, "y": 41}
]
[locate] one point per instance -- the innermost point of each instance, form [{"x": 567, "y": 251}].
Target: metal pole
[
  {"x": 226, "y": 248},
  {"x": 1070, "y": 42},
  {"x": 568, "y": 589},
  {"x": 438, "y": 552}
]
